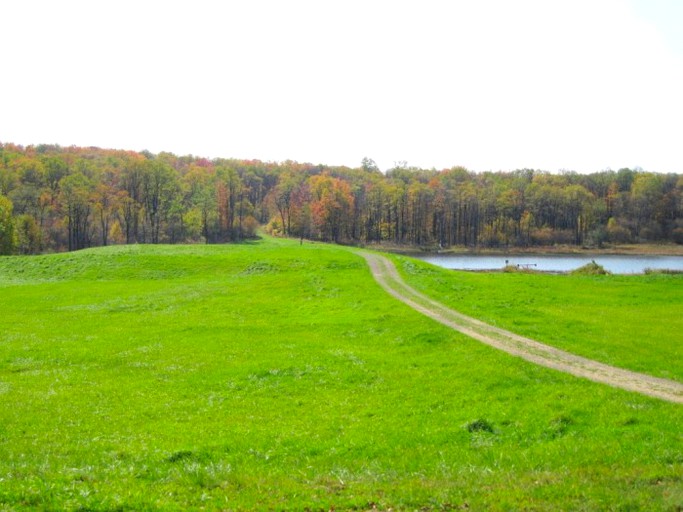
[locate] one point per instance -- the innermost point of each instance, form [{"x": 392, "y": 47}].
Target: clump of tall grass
[
  {"x": 591, "y": 269},
  {"x": 510, "y": 268},
  {"x": 667, "y": 271},
  {"x": 480, "y": 425}
]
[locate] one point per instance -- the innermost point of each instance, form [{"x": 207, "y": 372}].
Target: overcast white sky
[{"x": 581, "y": 85}]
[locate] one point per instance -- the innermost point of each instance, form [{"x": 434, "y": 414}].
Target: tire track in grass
[{"x": 385, "y": 273}]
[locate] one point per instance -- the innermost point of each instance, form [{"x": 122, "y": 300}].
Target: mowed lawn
[{"x": 273, "y": 375}]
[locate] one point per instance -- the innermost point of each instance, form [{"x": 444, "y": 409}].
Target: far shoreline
[{"x": 621, "y": 250}]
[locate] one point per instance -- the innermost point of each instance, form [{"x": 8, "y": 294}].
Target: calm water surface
[{"x": 616, "y": 264}]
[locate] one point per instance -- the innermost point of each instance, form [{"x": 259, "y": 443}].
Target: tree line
[{"x": 56, "y": 198}]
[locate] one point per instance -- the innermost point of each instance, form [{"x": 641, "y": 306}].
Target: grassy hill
[{"x": 278, "y": 376}]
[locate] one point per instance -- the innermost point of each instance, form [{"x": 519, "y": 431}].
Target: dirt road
[{"x": 387, "y": 276}]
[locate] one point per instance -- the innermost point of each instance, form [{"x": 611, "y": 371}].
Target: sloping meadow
[{"x": 281, "y": 376}]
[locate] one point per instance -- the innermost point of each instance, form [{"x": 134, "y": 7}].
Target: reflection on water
[{"x": 616, "y": 264}]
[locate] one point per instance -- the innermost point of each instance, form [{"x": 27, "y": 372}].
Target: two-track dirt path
[{"x": 387, "y": 276}]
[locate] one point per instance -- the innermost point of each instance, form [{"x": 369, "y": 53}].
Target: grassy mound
[
  {"x": 279, "y": 376},
  {"x": 591, "y": 269}
]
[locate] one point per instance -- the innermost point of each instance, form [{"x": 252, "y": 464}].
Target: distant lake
[{"x": 617, "y": 264}]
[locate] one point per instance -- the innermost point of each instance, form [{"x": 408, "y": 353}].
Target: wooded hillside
[{"x": 56, "y": 198}]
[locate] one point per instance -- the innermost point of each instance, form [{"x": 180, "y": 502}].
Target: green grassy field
[
  {"x": 632, "y": 321},
  {"x": 278, "y": 376}
]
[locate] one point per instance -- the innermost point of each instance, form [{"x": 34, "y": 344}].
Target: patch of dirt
[{"x": 385, "y": 273}]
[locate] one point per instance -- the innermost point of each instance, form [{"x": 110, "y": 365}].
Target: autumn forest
[{"x": 56, "y": 198}]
